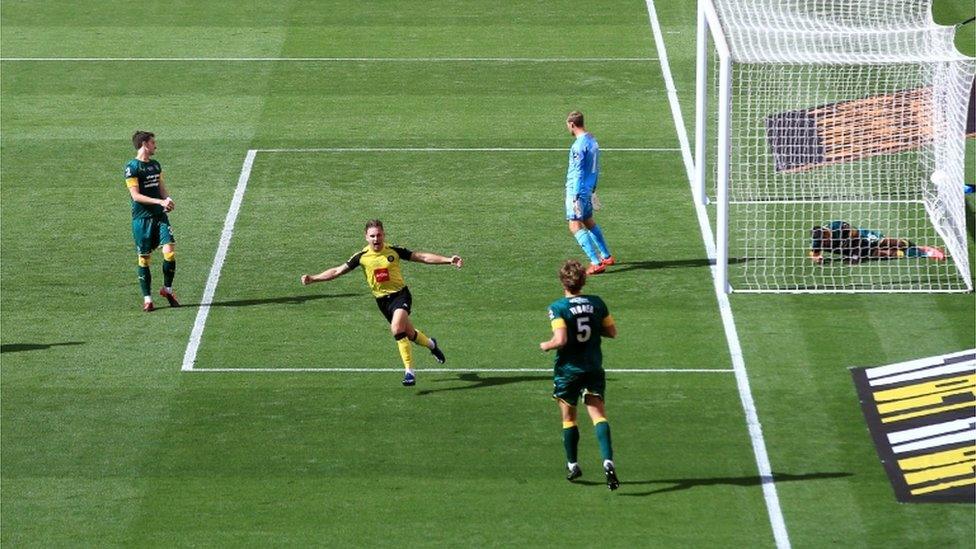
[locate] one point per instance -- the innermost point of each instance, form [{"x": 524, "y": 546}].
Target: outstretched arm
[
  {"x": 434, "y": 259},
  {"x": 326, "y": 275}
]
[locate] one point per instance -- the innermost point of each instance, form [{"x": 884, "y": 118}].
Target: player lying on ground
[
  {"x": 381, "y": 265},
  {"x": 578, "y": 323},
  {"x": 855, "y": 244}
]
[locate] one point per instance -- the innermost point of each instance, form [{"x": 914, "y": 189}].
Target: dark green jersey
[
  {"x": 147, "y": 176},
  {"x": 583, "y": 317}
]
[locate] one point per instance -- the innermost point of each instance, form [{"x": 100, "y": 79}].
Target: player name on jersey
[
  {"x": 582, "y": 309},
  {"x": 922, "y": 416}
]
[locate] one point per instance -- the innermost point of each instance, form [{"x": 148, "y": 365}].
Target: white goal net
[{"x": 831, "y": 139}]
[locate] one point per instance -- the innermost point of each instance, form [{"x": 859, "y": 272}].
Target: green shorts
[
  {"x": 568, "y": 386},
  {"x": 150, "y": 234}
]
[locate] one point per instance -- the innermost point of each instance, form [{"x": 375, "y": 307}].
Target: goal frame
[{"x": 709, "y": 27}]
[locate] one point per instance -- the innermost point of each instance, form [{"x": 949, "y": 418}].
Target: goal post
[{"x": 812, "y": 114}]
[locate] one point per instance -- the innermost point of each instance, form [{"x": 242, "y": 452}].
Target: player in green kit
[
  {"x": 150, "y": 224},
  {"x": 855, "y": 244},
  {"x": 578, "y": 323}
]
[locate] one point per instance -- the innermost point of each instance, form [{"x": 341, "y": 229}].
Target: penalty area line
[
  {"x": 334, "y": 59},
  {"x": 190, "y": 356},
  {"x": 449, "y": 370},
  {"x": 460, "y": 149}
]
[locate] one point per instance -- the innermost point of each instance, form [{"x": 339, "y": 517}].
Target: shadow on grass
[
  {"x": 678, "y": 484},
  {"x": 625, "y": 266},
  {"x": 285, "y": 300},
  {"x": 18, "y": 347},
  {"x": 970, "y": 219},
  {"x": 478, "y": 382}
]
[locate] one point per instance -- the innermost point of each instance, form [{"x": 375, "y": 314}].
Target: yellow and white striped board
[{"x": 922, "y": 416}]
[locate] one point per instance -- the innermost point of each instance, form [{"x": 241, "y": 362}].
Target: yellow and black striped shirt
[{"x": 382, "y": 268}]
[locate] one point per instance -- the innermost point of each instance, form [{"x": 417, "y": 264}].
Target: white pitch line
[
  {"x": 337, "y": 59},
  {"x": 776, "y": 519},
  {"x": 460, "y": 149},
  {"x": 793, "y": 201},
  {"x": 447, "y": 370},
  {"x": 190, "y": 356}
]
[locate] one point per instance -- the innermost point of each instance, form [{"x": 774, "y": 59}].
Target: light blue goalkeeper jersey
[{"x": 584, "y": 166}]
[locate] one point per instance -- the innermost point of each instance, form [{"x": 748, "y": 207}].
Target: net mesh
[
  {"x": 834, "y": 31},
  {"x": 843, "y": 111}
]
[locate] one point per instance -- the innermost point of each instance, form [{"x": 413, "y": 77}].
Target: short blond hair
[
  {"x": 575, "y": 118},
  {"x": 572, "y": 275}
]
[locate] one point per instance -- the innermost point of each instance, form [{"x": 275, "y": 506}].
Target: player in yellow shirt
[{"x": 381, "y": 265}]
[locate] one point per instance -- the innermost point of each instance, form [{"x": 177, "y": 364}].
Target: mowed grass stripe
[
  {"x": 447, "y": 450},
  {"x": 303, "y": 29},
  {"x": 348, "y": 104}
]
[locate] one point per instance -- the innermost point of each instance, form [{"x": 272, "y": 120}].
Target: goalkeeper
[
  {"x": 581, "y": 201},
  {"x": 855, "y": 244}
]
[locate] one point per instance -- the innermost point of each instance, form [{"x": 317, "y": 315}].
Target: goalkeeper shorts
[{"x": 579, "y": 207}]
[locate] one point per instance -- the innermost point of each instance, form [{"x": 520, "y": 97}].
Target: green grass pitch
[{"x": 104, "y": 441}]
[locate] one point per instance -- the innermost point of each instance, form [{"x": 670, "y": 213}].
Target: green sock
[
  {"x": 571, "y": 442},
  {"x": 169, "y": 271},
  {"x": 602, "y": 430},
  {"x": 145, "y": 280}
]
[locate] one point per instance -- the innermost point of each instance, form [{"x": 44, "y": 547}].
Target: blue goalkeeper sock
[
  {"x": 586, "y": 242},
  {"x": 597, "y": 236}
]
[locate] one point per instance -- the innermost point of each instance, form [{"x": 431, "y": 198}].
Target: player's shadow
[
  {"x": 625, "y": 266},
  {"x": 284, "y": 300},
  {"x": 18, "y": 347},
  {"x": 478, "y": 382},
  {"x": 678, "y": 484}
]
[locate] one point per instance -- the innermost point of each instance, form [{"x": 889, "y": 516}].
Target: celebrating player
[
  {"x": 381, "y": 265},
  {"x": 581, "y": 180},
  {"x": 855, "y": 244},
  {"x": 579, "y": 322},
  {"x": 150, "y": 224}
]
